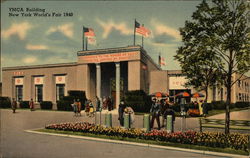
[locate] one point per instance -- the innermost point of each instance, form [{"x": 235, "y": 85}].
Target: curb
[{"x": 140, "y": 144}]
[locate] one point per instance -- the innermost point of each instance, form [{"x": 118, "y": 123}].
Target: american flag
[
  {"x": 92, "y": 40},
  {"x": 88, "y": 32},
  {"x": 162, "y": 61},
  {"x": 142, "y": 30}
]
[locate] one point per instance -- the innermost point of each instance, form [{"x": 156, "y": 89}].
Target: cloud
[
  {"x": 66, "y": 29},
  {"x": 110, "y": 25},
  {"x": 164, "y": 45},
  {"x": 19, "y": 29},
  {"x": 29, "y": 60},
  {"x": 36, "y": 47},
  {"x": 161, "y": 29}
]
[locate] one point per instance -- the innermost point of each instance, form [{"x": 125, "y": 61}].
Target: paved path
[
  {"x": 235, "y": 115},
  {"x": 16, "y": 143}
]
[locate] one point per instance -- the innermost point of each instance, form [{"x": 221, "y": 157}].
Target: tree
[
  {"x": 221, "y": 28},
  {"x": 200, "y": 68}
]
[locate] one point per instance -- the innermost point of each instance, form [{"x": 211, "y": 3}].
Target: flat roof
[{"x": 40, "y": 66}]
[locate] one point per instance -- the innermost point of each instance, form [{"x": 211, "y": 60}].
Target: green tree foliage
[{"x": 217, "y": 39}]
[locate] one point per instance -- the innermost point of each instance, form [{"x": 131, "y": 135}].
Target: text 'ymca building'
[{"x": 103, "y": 73}]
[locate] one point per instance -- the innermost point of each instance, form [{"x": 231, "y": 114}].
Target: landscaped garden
[{"x": 214, "y": 141}]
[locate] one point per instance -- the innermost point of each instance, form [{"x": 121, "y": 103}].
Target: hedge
[
  {"x": 24, "y": 104},
  {"x": 5, "y": 102},
  {"x": 242, "y": 104},
  {"x": 65, "y": 102},
  {"x": 46, "y": 105},
  {"x": 138, "y": 100}
]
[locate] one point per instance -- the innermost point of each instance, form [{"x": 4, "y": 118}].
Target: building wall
[
  {"x": 158, "y": 81},
  {"x": 49, "y": 86},
  {"x": 134, "y": 75}
]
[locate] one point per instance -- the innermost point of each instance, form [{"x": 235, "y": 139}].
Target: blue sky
[{"x": 47, "y": 40}]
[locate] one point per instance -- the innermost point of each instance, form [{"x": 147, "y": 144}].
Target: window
[
  {"x": 38, "y": 93},
  {"x": 19, "y": 93},
  {"x": 214, "y": 93},
  {"x": 18, "y": 88},
  {"x": 60, "y": 86},
  {"x": 239, "y": 83},
  {"x": 240, "y": 96},
  {"x": 60, "y": 90},
  {"x": 221, "y": 94}
]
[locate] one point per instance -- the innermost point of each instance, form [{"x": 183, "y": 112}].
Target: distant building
[{"x": 103, "y": 73}]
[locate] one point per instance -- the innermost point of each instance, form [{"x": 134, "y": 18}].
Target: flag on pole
[
  {"x": 92, "y": 40},
  {"x": 142, "y": 30},
  {"x": 162, "y": 61},
  {"x": 90, "y": 35},
  {"x": 88, "y": 32}
]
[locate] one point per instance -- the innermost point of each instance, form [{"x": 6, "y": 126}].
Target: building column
[
  {"x": 98, "y": 80},
  {"x": 117, "y": 81}
]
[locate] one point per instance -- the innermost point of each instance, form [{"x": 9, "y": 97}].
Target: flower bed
[{"x": 211, "y": 139}]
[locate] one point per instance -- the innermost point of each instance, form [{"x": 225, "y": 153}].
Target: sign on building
[
  {"x": 38, "y": 80},
  {"x": 60, "y": 79},
  {"x": 19, "y": 81},
  {"x": 177, "y": 82}
]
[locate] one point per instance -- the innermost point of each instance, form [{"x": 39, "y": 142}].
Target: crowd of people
[{"x": 159, "y": 107}]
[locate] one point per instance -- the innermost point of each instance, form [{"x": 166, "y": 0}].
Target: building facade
[{"x": 105, "y": 73}]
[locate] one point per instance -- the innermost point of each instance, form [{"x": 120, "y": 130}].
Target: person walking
[
  {"x": 75, "y": 109},
  {"x": 79, "y": 107},
  {"x": 200, "y": 107},
  {"x": 109, "y": 104},
  {"x": 204, "y": 108},
  {"x": 155, "y": 111},
  {"x": 31, "y": 104},
  {"x": 121, "y": 108},
  {"x": 98, "y": 103},
  {"x": 104, "y": 103},
  {"x": 165, "y": 106},
  {"x": 14, "y": 105}
]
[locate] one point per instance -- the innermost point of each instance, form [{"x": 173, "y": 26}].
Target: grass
[{"x": 136, "y": 140}]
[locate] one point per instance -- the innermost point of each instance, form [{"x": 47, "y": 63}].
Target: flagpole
[
  {"x": 134, "y": 33},
  {"x": 159, "y": 62},
  {"x": 86, "y": 43},
  {"x": 83, "y": 38},
  {"x": 142, "y": 38}
]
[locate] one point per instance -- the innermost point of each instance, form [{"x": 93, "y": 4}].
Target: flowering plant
[{"x": 211, "y": 139}]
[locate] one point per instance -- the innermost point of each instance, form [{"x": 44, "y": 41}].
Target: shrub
[
  {"x": 65, "y": 103},
  {"x": 138, "y": 100},
  {"x": 24, "y": 104},
  {"x": 46, "y": 105},
  {"x": 5, "y": 102},
  {"x": 78, "y": 95},
  {"x": 218, "y": 105},
  {"x": 242, "y": 104}
]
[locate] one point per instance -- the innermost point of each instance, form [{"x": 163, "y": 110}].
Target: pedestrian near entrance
[
  {"x": 122, "y": 106},
  {"x": 31, "y": 104},
  {"x": 14, "y": 105},
  {"x": 74, "y": 106},
  {"x": 98, "y": 104},
  {"x": 155, "y": 112},
  {"x": 79, "y": 107},
  {"x": 104, "y": 103},
  {"x": 109, "y": 103}
]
